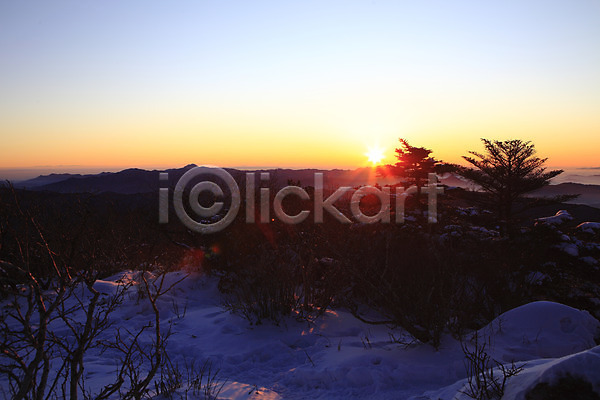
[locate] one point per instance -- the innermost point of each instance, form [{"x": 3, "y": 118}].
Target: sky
[{"x": 293, "y": 84}]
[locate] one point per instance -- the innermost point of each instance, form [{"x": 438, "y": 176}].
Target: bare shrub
[
  {"x": 191, "y": 378},
  {"x": 486, "y": 377},
  {"x": 52, "y": 316}
]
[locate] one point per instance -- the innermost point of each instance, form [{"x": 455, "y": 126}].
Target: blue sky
[{"x": 138, "y": 83}]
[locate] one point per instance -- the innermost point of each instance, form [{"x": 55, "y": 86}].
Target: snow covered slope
[{"x": 338, "y": 357}]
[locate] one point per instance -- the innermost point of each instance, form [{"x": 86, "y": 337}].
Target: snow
[
  {"x": 541, "y": 329},
  {"x": 584, "y": 365},
  {"x": 589, "y": 260},
  {"x": 557, "y": 219},
  {"x": 485, "y": 231},
  {"x": 467, "y": 211},
  {"x": 337, "y": 356},
  {"x": 537, "y": 278},
  {"x": 589, "y": 227},
  {"x": 459, "y": 231},
  {"x": 548, "y": 339},
  {"x": 241, "y": 391},
  {"x": 569, "y": 248}
]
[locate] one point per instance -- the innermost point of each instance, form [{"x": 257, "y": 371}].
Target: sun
[{"x": 375, "y": 155}]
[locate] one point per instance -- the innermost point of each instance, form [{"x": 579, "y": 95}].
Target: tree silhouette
[
  {"x": 506, "y": 171},
  {"x": 414, "y": 164}
]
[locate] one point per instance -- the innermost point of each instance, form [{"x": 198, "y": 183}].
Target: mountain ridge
[{"x": 138, "y": 180}]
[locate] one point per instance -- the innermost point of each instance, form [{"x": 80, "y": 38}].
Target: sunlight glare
[{"x": 375, "y": 155}]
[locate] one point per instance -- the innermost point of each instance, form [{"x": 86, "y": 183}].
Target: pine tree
[
  {"x": 414, "y": 165},
  {"x": 506, "y": 171}
]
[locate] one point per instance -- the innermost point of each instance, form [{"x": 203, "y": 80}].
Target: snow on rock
[
  {"x": 467, "y": 211},
  {"x": 557, "y": 219},
  {"x": 548, "y": 339},
  {"x": 584, "y": 365},
  {"x": 485, "y": 231},
  {"x": 472, "y": 230},
  {"x": 589, "y": 227},
  {"x": 590, "y": 246},
  {"x": 541, "y": 329},
  {"x": 589, "y": 260},
  {"x": 569, "y": 248}
]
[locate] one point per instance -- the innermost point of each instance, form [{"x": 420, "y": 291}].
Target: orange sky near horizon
[
  {"x": 311, "y": 85},
  {"x": 285, "y": 147}
]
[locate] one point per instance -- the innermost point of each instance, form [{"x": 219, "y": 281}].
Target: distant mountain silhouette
[
  {"x": 135, "y": 180},
  {"x": 47, "y": 180},
  {"x": 128, "y": 181}
]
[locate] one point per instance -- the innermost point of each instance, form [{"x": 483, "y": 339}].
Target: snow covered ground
[{"x": 338, "y": 357}]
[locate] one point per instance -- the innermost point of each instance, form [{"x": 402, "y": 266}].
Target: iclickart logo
[{"x": 210, "y": 221}]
